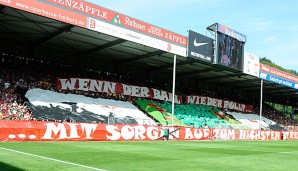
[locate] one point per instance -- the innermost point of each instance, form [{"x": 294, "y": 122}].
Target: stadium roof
[{"x": 41, "y": 31}]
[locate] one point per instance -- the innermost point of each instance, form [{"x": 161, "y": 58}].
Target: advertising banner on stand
[
  {"x": 79, "y": 13},
  {"x": 135, "y": 36},
  {"x": 278, "y": 80},
  {"x": 277, "y": 76},
  {"x": 251, "y": 64},
  {"x": 120, "y": 25},
  {"x": 42, "y": 8},
  {"x": 279, "y": 73},
  {"x": 200, "y": 47}
]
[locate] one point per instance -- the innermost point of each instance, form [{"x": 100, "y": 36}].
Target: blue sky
[{"x": 271, "y": 26}]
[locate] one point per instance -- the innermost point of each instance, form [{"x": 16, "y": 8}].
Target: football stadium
[{"x": 84, "y": 87}]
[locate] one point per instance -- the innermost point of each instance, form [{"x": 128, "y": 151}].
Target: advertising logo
[
  {"x": 169, "y": 47},
  {"x": 92, "y": 23},
  {"x": 117, "y": 20},
  {"x": 263, "y": 75},
  {"x": 230, "y": 32},
  {"x": 197, "y": 44},
  {"x": 200, "y": 47}
]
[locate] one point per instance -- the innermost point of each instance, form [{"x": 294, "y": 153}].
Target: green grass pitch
[{"x": 150, "y": 155}]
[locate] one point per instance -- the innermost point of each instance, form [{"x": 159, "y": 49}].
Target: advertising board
[
  {"x": 87, "y": 15},
  {"x": 251, "y": 64},
  {"x": 278, "y": 80},
  {"x": 200, "y": 47}
]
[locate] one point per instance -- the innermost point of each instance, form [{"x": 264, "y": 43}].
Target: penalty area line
[{"x": 48, "y": 158}]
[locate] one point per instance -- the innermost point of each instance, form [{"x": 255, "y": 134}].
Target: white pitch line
[{"x": 56, "y": 160}]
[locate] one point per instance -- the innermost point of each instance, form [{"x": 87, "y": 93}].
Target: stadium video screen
[{"x": 230, "y": 51}]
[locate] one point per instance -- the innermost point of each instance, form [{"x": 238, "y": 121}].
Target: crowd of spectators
[
  {"x": 12, "y": 107},
  {"x": 279, "y": 117},
  {"x": 18, "y": 74},
  {"x": 274, "y": 115},
  {"x": 292, "y": 127}
]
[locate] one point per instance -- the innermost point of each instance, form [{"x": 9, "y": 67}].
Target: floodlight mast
[{"x": 173, "y": 91}]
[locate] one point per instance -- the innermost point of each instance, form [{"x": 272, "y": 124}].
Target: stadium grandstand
[
  {"x": 71, "y": 67},
  {"x": 80, "y": 89}
]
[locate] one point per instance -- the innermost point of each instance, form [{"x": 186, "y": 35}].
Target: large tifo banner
[
  {"x": 226, "y": 104},
  {"x": 277, "y": 76},
  {"x": 50, "y": 131},
  {"x": 97, "y": 18},
  {"x": 92, "y": 85},
  {"x": 50, "y": 106}
]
